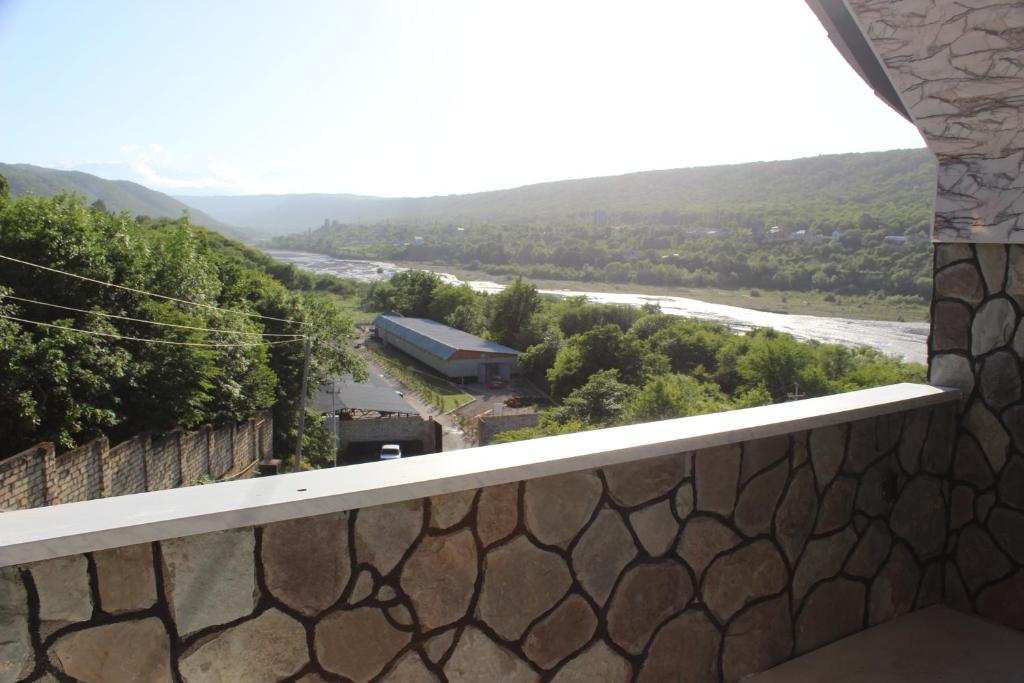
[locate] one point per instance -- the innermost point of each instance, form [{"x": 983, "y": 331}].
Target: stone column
[{"x": 956, "y": 68}]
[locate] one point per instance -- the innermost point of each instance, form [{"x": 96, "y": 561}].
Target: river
[{"x": 908, "y": 340}]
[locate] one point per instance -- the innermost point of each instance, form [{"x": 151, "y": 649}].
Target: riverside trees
[{"x": 607, "y": 364}]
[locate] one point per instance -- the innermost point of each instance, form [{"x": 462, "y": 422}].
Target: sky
[{"x": 417, "y": 98}]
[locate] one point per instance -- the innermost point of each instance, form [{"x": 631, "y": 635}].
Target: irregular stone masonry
[
  {"x": 957, "y": 68},
  {"x": 701, "y": 566},
  {"x": 979, "y": 349},
  {"x": 39, "y": 476}
]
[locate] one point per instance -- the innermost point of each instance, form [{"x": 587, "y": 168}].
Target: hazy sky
[{"x": 414, "y": 98}]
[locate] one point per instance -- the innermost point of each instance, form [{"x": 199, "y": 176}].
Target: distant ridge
[
  {"x": 863, "y": 179},
  {"x": 118, "y": 195}
]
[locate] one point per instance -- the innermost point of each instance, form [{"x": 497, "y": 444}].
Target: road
[{"x": 452, "y": 438}]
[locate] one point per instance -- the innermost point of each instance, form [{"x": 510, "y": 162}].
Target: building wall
[
  {"x": 39, "y": 476},
  {"x": 452, "y": 367},
  {"x": 387, "y": 430},
  {"x": 700, "y": 566},
  {"x": 957, "y": 68},
  {"x": 428, "y": 359}
]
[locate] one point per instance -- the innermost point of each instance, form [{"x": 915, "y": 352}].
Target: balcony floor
[{"x": 933, "y": 644}]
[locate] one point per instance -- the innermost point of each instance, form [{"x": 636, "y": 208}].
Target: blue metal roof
[{"x": 437, "y": 338}]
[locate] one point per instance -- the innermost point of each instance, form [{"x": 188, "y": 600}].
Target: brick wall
[{"x": 40, "y": 476}]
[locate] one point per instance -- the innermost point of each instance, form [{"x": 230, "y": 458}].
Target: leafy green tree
[
  {"x": 782, "y": 365},
  {"x": 414, "y": 292},
  {"x": 600, "y": 401},
  {"x": 648, "y": 325},
  {"x": 602, "y": 348},
  {"x": 675, "y": 396},
  {"x": 689, "y": 344},
  {"x": 511, "y": 315},
  {"x": 62, "y": 385}
]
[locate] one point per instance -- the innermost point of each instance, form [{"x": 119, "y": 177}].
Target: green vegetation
[
  {"x": 111, "y": 195},
  {"x": 609, "y": 364},
  {"x": 826, "y": 304},
  {"x": 65, "y": 386},
  {"x": 695, "y": 228}
]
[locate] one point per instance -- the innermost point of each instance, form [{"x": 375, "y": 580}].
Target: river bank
[
  {"x": 906, "y": 339},
  {"x": 772, "y": 301}
]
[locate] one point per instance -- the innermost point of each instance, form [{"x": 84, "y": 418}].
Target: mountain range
[
  {"x": 814, "y": 185},
  {"x": 837, "y": 180}
]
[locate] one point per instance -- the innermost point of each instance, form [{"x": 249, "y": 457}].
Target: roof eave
[{"x": 846, "y": 35}]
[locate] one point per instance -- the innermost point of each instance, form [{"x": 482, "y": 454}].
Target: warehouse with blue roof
[{"x": 454, "y": 353}]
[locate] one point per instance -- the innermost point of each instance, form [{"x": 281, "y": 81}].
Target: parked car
[{"x": 390, "y": 451}]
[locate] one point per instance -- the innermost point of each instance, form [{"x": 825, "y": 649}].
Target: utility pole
[
  {"x": 796, "y": 395},
  {"x": 302, "y": 404}
]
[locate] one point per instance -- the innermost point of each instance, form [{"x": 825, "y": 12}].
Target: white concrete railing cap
[{"x": 60, "y": 530}]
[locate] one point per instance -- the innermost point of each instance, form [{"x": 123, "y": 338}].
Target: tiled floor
[{"x": 933, "y": 645}]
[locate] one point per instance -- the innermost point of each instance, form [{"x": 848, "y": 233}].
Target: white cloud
[{"x": 156, "y": 167}]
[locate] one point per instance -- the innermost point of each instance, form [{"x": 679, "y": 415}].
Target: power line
[
  {"x": 159, "y": 296},
  {"x": 139, "y": 320},
  {"x": 154, "y": 341}
]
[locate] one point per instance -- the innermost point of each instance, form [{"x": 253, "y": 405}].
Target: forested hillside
[
  {"x": 805, "y": 191},
  {"x": 79, "y": 359},
  {"x": 850, "y": 225},
  {"x": 116, "y": 195}
]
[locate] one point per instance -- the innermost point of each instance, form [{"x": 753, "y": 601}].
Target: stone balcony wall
[{"x": 698, "y": 566}]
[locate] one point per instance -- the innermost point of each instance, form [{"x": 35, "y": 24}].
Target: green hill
[
  {"x": 117, "y": 195},
  {"x": 850, "y": 224},
  {"x": 804, "y": 189}
]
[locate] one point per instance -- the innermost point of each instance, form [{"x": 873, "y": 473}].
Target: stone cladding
[
  {"x": 977, "y": 345},
  {"x": 701, "y": 566}
]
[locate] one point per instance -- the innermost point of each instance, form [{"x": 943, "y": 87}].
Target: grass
[
  {"x": 437, "y": 391},
  {"x": 350, "y": 305},
  {"x": 777, "y": 301}
]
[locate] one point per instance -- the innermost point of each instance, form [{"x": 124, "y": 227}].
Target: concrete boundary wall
[
  {"x": 490, "y": 426},
  {"x": 40, "y": 476}
]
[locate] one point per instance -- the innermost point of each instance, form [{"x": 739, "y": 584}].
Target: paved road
[{"x": 452, "y": 438}]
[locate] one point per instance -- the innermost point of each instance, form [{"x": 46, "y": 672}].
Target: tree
[
  {"x": 511, "y": 315},
  {"x": 675, "y": 396},
  {"x": 602, "y": 348},
  {"x": 689, "y": 344},
  {"x": 414, "y": 292},
  {"x": 781, "y": 364},
  {"x": 600, "y": 401}
]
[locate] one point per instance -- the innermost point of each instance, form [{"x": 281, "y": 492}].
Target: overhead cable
[
  {"x": 154, "y": 341},
  {"x": 153, "y": 294},
  {"x": 146, "y": 322}
]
